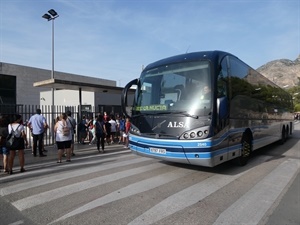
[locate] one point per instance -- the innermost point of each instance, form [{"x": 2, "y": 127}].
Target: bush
[{"x": 297, "y": 107}]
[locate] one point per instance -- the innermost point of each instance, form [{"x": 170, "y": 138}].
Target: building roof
[{"x": 60, "y": 84}]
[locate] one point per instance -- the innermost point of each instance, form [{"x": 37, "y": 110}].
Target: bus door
[{"x": 222, "y": 110}]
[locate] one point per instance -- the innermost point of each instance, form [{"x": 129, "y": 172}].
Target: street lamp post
[{"x": 52, "y": 16}]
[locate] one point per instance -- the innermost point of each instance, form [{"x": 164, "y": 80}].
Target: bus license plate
[{"x": 158, "y": 150}]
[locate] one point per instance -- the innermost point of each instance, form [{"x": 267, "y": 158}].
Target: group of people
[
  {"x": 110, "y": 128},
  {"x": 8, "y": 154},
  {"x": 37, "y": 125},
  {"x": 64, "y": 131}
]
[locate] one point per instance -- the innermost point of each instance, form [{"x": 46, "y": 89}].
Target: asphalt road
[{"x": 118, "y": 187}]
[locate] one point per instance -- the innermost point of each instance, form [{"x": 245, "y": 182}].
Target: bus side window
[{"x": 222, "y": 96}]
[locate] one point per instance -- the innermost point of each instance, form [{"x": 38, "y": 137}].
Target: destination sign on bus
[{"x": 151, "y": 108}]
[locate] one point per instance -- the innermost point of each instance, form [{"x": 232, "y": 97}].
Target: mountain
[{"x": 283, "y": 72}]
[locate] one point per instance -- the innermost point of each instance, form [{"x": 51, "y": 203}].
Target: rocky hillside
[{"x": 283, "y": 72}]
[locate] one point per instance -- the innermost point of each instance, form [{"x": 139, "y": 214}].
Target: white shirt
[
  {"x": 18, "y": 128},
  {"x": 113, "y": 127}
]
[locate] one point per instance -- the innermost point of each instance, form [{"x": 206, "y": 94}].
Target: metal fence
[{"x": 26, "y": 111}]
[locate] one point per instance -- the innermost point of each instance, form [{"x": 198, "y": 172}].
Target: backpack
[
  {"x": 122, "y": 125},
  {"x": 12, "y": 142},
  {"x": 66, "y": 130},
  {"x": 99, "y": 129}
]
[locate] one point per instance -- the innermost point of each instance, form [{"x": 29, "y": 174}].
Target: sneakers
[
  {"x": 22, "y": 170},
  {"x": 68, "y": 160},
  {"x": 43, "y": 155}
]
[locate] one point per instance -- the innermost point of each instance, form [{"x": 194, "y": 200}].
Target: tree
[{"x": 295, "y": 92}]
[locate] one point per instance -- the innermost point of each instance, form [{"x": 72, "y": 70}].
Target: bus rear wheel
[
  {"x": 283, "y": 136},
  {"x": 245, "y": 151}
]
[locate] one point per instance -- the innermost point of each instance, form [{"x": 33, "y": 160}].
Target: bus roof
[{"x": 193, "y": 56}]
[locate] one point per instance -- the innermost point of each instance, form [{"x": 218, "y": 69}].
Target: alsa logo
[{"x": 176, "y": 124}]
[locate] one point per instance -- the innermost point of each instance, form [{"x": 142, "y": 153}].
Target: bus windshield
[{"x": 182, "y": 88}]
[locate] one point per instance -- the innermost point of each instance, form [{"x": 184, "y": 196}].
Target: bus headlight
[
  {"x": 192, "y": 135},
  {"x": 186, "y": 136},
  {"x": 134, "y": 130},
  {"x": 199, "y": 133}
]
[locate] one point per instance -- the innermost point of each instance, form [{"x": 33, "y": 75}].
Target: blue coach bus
[{"x": 205, "y": 108}]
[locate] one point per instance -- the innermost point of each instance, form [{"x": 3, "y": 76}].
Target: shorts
[
  {"x": 4, "y": 150},
  {"x": 63, "y": 144}
]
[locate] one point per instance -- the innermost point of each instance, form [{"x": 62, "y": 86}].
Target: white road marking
[
  {"x": 130, "y": 190},
  {"x": 251, "y": 207},
  {"x": 47, "y": 196},
  {"x": 17, "y": 222},
  {"x": 191, "y": 195},
  {"x": 186, "y": 197},
  {"x": 66, "y": 175}
]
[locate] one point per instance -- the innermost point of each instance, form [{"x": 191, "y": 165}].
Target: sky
[{"x": 115, "y": 39}]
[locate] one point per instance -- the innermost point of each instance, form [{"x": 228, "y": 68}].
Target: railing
[{"x": 26, "y": 111}]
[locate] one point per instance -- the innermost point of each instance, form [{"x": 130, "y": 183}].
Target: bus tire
[
  {"x": 245, "y": 151},
  {"x": 287, "y": 133},
  {"x": 283, "y": 136}
]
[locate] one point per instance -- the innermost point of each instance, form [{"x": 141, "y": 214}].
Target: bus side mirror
[{"x": 125, "y": 108}]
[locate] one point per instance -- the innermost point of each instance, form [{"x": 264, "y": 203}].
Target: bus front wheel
[
  {"x": 284, "y": 135},
  {"x": 245, "y": 151}
]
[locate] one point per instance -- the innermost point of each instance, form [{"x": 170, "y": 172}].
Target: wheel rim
[{"x": 246, "y": 150}]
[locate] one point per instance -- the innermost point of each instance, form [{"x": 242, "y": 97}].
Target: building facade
[{"x": 16, "y": 88}]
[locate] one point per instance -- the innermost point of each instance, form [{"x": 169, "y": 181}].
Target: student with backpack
[{"x": 63, "y": 137}]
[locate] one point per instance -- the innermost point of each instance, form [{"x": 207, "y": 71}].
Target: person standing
[
  {"x": 122, "y": 130},
  {"x": 100, "y": 132},
  {"x": 63, "y": 137},
  {"x": 113, "y": 128},
  {"x": 20, "y": 136},
  {"x": 127, "y": 129},
  {"x": 38, "y": 124},
  {"x": 93, "y": 131},
  {"x": 82, "y": 129},
  {"x": 73, "y": 130},
  {"x": 4, "y": 152},
  {"x": 107, "y": 126}
]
